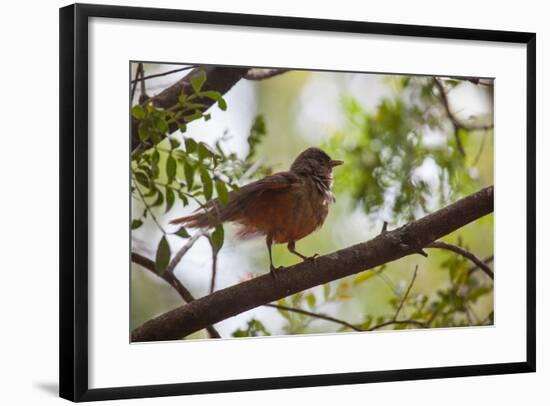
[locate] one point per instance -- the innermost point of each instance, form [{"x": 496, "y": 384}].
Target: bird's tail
[{"x": 208, "y": 218}]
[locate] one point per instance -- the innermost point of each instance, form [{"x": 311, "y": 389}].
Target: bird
[{"x": 284, "y": 207}]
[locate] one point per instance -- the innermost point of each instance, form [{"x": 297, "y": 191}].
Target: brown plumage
[{"x": 285, "y": 207}]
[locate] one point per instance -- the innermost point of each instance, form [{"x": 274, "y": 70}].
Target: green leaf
[
  {"x": 143, "y": 131},
  {"x": 311, "y": 300},
  {"x": 163, "y": 255},
  {"x": 182, "y": 232},
  {"x": 171, "y": 167},
  {"x": 212, "y": 94},
  {"x": 217, "y": 238},
  {"x": 326, "y": 291},
  {"x": 174, "y": 143},
  {"x": 257, "y": 133},
  {"x": 363, "y": 276},
  {"x": 190, "y": 117},
  {"x": 136, "y": 223},
  {"x": 255, "y": 328},
  {"x": 170, "y": 199},
  {"x": 222, "y": 104},
  {"x": 155, "y": 158},
  {"x": 183, "y": 198},
  {"x": 204, "y": 150},
  {"x": 138, "y": 112},
  {"x": 190, "y": 145},
  {"x": 182, "y": 98},
  {"x": 189, "y": 173},
  {"x": 142, "y": 179},
  {"x": 160, "y": 124},
  {"x": 198, "y": 80},
  {"x": 223, "y": 194},
  {"x": 206, "y": 183},
  {"x": 477, "y": 293},
  {"x": 152, "y": 191},
  {"x": 283, "y": 312},
  {"x": 160, "y": 199}
]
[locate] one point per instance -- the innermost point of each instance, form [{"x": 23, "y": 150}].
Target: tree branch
[
  {"x": 261, "y": 74},
  {"x": 316, "y": 315},
  {"x": 183, "y": 250},
  {"x": 390, "y": 246},
  {"x": 457, "y": 124},
  {"x": 486, "y": 261},
  {"x": 171, "y": 279},
  {"x": 214, "y": 264},
  {"x": 220, "y": 79},
  {"x": 390, "y": 322},
  {"x": 411, "y": 283},
  {"x": 138, "y": 73},
  {"x": 465, "y": 253},
  {"x": 158, "y": 75}
]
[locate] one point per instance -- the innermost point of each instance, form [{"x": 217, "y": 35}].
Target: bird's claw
[
  {"x": 311, "y": 258},
  {"x": 274, "y": 270}
]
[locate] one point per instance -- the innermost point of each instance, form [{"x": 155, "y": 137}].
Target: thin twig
[
  {"x": 432, "y": 318},
  {"x": 406, "y": 293},
  {"x": 387, "y": 281},
  {"x": 156, "y": 75},
  {"x": 466, "y": 254},
  {"x": 455, "y": 121},
  {"x": 182, "y": 251},
  {"x": 486, "y": 261},
  {"x": 148, "y": 208},
  {"x": 214, "y": 264},
  {"x": 138, "y": 71},
  {"x": 481, "y": 147},
  {"x": 316, "y": 315},
  {"x": 390, "y": 322},
  {"x": 171, "y": 279},
  {"x": 457, "y": 124},
  {"x": 143, "y": 97}
]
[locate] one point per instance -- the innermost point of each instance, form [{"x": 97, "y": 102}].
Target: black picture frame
[{"x": 74, "y": 200}]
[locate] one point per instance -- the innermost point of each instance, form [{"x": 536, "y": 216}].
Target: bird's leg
[
  {"x": 292, "y": 248},
  {"x": 272, "y": 269}
]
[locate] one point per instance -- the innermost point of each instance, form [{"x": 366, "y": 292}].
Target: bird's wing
[
  {"x": 247, "y": 200},
  {"x": 277, "y": 181},
  {"x": 252, "y": 196}
]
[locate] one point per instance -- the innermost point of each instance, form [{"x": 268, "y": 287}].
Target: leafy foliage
[
  {"x": 257, "y": 134},
  {"x": 255, "y": 328},
  {"x": 385, "y": 151},
  {"x": 179, "y": 167}
]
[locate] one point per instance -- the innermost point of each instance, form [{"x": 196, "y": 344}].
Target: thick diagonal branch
[{"x": 386, "y": 247}]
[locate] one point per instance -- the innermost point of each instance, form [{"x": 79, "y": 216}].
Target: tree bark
[{"x": 386, "y": 247}]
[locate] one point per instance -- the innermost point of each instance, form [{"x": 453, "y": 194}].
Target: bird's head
[{"x": 314, "y": 161}]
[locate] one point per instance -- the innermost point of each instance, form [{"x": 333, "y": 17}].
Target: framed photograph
[{"x": 255, "y": 202}]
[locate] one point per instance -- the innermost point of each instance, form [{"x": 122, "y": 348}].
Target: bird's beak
[{"x": 335, "y": 162}]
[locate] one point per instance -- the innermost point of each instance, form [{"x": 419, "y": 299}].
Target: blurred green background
[{"x": 411, "y": 145}]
